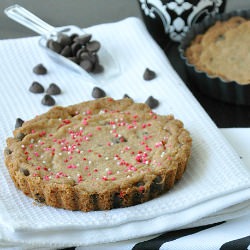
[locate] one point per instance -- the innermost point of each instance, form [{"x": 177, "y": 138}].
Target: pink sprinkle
[
  {"x": 96, "y": 170},
  {"x": 141, "y": 188},
  {"x": 38, "y": 168},
  {"x": 29, "y": 158},
  {"x": 113, "y": 178},
  {"x": 109, "y": 172},
  {"x": 36, "y": 154},
  {"x": 86, "y": 167},
  {"x": 71, "y": 166},
  {"x": 46, "y": 177},
  {"x": 98, "y": 128},
  {"x": 84, "y": 122},
  {"x": 104, "y": 178}
]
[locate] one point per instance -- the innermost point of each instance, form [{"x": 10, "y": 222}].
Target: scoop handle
[{"x": 28, "y": 19}]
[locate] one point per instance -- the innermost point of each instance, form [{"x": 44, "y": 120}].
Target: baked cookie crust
[{"x": 98, "y": 155}]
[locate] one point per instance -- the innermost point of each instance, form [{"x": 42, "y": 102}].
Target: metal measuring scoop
[{"x": 49, "y": 32}]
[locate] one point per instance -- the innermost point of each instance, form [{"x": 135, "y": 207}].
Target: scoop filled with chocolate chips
[{"x": 70, "y": 46}]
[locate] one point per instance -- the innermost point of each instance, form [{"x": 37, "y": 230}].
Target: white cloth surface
[{"x": 215, "y": 186}]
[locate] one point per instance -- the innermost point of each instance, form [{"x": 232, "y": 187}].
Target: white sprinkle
[
  {"x": 114, "y": 126},
  {"x": 80, "y": 128},
  {"x": 106, "y": 169},
  {"x": 69, "y": 152},
  {"x": 69, "y": 177},
  {"x": 128, "y": 176},
  {"x": 32, "y": 140},
  {"x": 22, "y": 146},
  {"x": 97, "y": 178},
  {"x": 44, "y": 162},
  {"x": 77, "y": 164},
  {"x": 59, "y": 119},
  {"x": 49, "y": 169},
  {"x": 60, "y": 153},
  {"x": 90, "y": 162},
  {"x": 78, "y": 174},
  {"x": 84, "y": 113},
  {"x": 101, "y": 112},
  {"x": 122, "y": 151},
  {"x": 106, "y": 158},
  {"x": 81, "y": 152},
  {"x": 118, "y": 172}
]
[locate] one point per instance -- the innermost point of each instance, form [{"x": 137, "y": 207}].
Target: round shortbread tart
[{"x": 98, "y": 155}]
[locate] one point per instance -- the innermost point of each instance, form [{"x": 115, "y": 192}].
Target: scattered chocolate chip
[
  {"x": 53, "y": 89},
  {"x": 36, "y": 88},
  {"x": 83, "y": 39},
  {"x": 55, "y": 46},
  {"x": 40, "y": 69},
  {"x": 86, "y": 65},
  {"x": 152, "y": 102},
  {"x": 149, "y": 74},
  {"x": 48, "y": 100},
  {"x": 98, "y": 92},
  {"x": 20, "y": 136},
  {"x": 93, "y": 46},
  {"x": 7, "y": 151},
  {"x": 25, "y": 171},
  {"x": 19, "y": 123}
]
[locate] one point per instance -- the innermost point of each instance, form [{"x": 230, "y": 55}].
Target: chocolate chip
[
  {"x": 63, "y": 39},
  {"x": 55, "y": 46},
  {"x": 19, "y": 123},
  {"x": 36, "y": 88},
  {"x": 86, "y": 65},
  {"x": 126, "y": 96},
  {"x": 82, "y": 54},
  {"x": 25, "y": 171},
  {"x": 73, "y": 36},
  {"x": 83, "y": 39},
  {"x": 7, "y": 151},
  {"x": 140, "y": 183},
  {"x": 40, "y": 69},
  {"x": 53, "y": 89},
  {"x": 152, "y": 102},
  {"x": 73, "y": 59},
  {"x": 20, "y": 136},
  {"x": 39, "y": 198},
  {"x": 75, "y": 47},
  {"x": 93, "y": 46},
  {"x": 149, "y": 74},
  {"x": 66, "y": 51},
  {"x": 117, "y": 140},
  {"x": 48, "y": 100},
  {"x": 98, "y": 68},
  {"x": 98, "y": 92}
]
